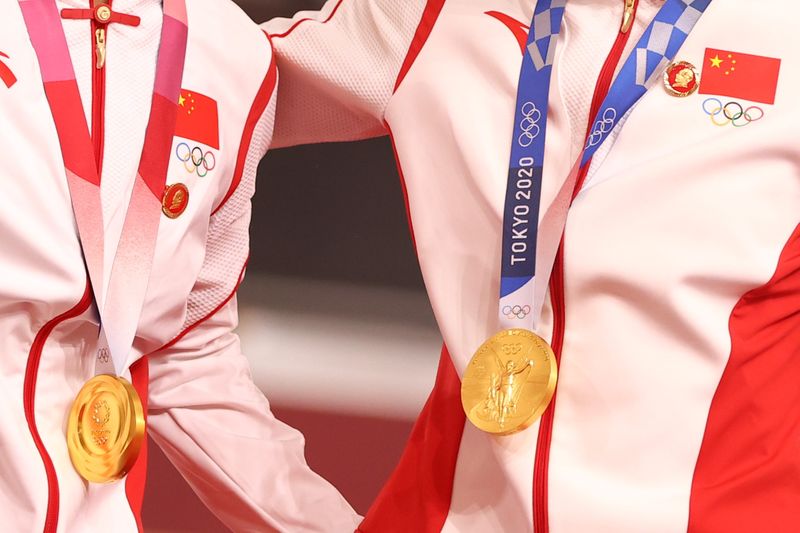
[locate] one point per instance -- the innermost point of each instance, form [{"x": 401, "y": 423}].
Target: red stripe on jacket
[
  {"x": 262, "y": 100},
  {"x": 747, "y": 477},
  {"x": 137, "y": 477},
  {"x": 418, "y": 494}
]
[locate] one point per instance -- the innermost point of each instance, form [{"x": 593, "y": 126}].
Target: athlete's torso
[
  {"x": 48, "y": 321},
  {"x": 677, "y": 400}
]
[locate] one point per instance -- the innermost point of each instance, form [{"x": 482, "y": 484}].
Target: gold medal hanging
[
  {"x": 105, "y": 430},
  {"x": 509, "y": 382}
]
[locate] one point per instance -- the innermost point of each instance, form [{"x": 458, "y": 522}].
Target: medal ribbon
[
  {"x": 522, "y": 287},
  {"x": 121, "y": 308}
]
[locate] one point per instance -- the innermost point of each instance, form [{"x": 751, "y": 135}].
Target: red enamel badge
[
  {"x": 5, "y": 73},
  {"x": 744, "y": 76},
  {"x": 681, "y": 79},
  {"x": 175, "y": 200}
]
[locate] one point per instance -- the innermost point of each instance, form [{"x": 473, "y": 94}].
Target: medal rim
[
  {"x": 129, "y": 453},
  {"x": 552, "y": 382},
  {"x": 668, "y": 85}
]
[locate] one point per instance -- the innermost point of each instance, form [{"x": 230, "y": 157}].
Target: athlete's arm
[
  {"x": 339, "y": 67},
  {"x": 208, "y": 416},
  {"x": 216, "y": 427}
]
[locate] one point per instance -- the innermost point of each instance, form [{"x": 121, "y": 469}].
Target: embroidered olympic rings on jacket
[
  {"x": 732, "y": 113},
  {"x": 195, "y": 160},
  {"x": 518, "y": 311},
  {"x": 529, "y": 124},
  {"x": 603, "y": 125}
]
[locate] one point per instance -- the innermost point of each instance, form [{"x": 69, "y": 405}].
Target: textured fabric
[
  {"x": 49, "y": 326},
  {"x": 326, "y": 89},
  {"x": 206, "y": 414},
  {"x": 679, "y": 219},
  {"x": 228, "y": 243},
  {"x": 203, "y": 403},
  {"x": 580, "y": 62},
  {"x": 204, "y": 406}
]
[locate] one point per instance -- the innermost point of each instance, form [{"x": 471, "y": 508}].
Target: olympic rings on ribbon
[
  {"x": 529, "y": 124},
  {"x": 194, "y": 160},
  {"x": 603, "y": 125},
  {"x": 733, "y": 113},
  {"x": 518, "y": 311}
]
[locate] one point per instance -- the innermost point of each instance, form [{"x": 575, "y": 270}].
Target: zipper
[
  {"x": 100, "y": 48},
  {"x": 628, "y": 15},
  {"x": 29, "y": 402},
  {"x": 99, "y": 25},
  {"x": 541, "y": 523}
]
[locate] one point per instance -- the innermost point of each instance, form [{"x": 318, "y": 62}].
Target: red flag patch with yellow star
[
  {"x": 737, "y": 75},
  {"x": 198, "y": 118}
]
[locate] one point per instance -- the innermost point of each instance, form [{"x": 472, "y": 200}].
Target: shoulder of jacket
[{"x": 226, "y": 23}]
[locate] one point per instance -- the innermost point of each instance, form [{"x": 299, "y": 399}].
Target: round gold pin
[
  {"x": 175, "y": 200},
  {"x": 681, "y": 79},
  {"x": 509, "y": 382},
  {"x": 103, "y": 13},
  {"x": 105, "y": 430}
]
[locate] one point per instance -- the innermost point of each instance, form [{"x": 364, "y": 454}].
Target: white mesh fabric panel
[
  {"x": 584, "y": 49},
  {"x": 228, "y": 243},
  {"x": 587, "y": 46},
  {"x": 337, "y": 76}
]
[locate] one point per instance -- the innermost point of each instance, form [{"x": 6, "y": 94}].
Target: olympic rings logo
[
  {"x": 602, "y": 127},
  {"x": 529, "y": 124},
  {"x": 194, "y": 160},
  {"x": 732, "y": 113},
  {"x": 518, "y": 311}
]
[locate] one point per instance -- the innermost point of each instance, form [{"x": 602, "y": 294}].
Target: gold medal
[
  {"x": 105, "y": 430},
  {"x": 509, "y": 382}
]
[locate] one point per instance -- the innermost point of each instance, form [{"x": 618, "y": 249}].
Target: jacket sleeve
[
  {"x": 206, "y": 413},
  {"x": 339, "y": 67}
]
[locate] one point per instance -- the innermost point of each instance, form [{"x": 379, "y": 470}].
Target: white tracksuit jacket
[
  {"x": 675, "y": 312},
  {"x": 203, "y": 409}
]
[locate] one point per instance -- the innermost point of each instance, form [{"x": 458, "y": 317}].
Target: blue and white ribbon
[{"x": 520, "y": 300}]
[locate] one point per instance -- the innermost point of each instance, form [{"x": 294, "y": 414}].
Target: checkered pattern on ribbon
[
  {"x": 545, "y": 29},
  {"x": 658, "y": 45},
  {"x": 665, "y": 37}
]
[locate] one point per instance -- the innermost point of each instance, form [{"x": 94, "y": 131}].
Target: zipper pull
[
  {"x": 627, "y": 16},
  {"x": 100, "y": 47}
]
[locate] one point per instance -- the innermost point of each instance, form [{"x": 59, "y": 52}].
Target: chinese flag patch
[
  {"x": 744, "y": 76},
  {"x": 198, "y": 119}
]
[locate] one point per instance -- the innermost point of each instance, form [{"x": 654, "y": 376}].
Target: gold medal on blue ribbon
[{"x": 509, "y": 382}]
